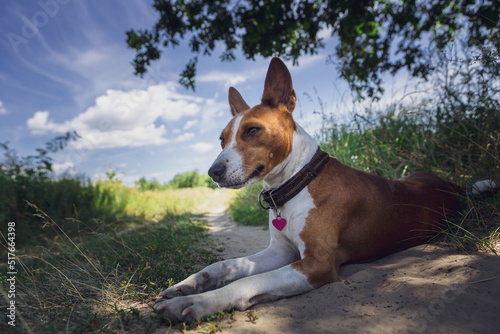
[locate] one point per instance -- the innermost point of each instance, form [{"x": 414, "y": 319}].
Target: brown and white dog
[{"x": 334, "y": 215}]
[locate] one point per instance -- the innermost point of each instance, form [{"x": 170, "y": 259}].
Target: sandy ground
[{"x": 426, "y": 289}]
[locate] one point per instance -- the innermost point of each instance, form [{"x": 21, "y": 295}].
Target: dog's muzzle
[{"x": 217, "y": 171}]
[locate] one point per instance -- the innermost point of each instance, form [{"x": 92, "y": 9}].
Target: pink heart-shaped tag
[{"x": 279, "y": 223}]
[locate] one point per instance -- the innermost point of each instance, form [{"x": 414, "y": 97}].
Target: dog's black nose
[{"x": 217, "y": 171}]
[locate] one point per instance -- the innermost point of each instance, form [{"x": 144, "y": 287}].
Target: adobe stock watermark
[
  {"x": 11, "y": 274},
  {"x": 30, "y": 28}
]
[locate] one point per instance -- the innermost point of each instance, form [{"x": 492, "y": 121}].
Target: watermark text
[{"x": 11, "y": 273}]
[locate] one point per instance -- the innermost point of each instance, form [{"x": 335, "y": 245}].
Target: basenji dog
[{"x": 322, "y": 213}]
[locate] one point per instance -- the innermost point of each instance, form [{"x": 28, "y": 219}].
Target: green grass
[
  {"x": 100, "y": 207},
  {"x": 245, "y": 209},
  {"x": 106, "y": 280}
]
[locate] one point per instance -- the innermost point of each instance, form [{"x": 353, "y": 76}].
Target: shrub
[{"x": 192, "y": 179}]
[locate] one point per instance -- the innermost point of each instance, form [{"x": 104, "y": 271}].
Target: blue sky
[{"x": 65, "y": 66}]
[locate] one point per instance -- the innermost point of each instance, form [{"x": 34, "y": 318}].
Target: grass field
[{"x": 105, "y": 280}]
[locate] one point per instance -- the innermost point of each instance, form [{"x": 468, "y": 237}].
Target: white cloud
[
  {"x": 185, "y": 137},
  {"x": 201, "y": 147},
  {"x": 136, "y": 137},
  {"x": 124, "y": 119},
  {"x": 90, "y": 58},
  {"x": 325, "y": 33},
  {"x": 306, "y": 62},
  {"x": 229, "y": 79},
  {"x": 210, "y": 111},
  {"x": 190, "y": 124},
  {"x": 3, "y": 110},
  {"x": 40, "y": 124},
  {"x": 67, "y": 167}
]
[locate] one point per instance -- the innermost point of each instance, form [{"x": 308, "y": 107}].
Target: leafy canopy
[{"x": 375, "y": 36}]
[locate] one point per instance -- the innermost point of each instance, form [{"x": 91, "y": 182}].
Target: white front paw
[
  {"x": 194, "y": 284},
  {"x": 182, "y": 309},
  {"x": 178, "y": 290}
]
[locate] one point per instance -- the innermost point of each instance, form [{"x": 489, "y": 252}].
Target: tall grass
[
  {"x": 93, "y": 256},
  {"x": 104, "y": 276},
  {"x": 384, "y": 144},
  {"x": 94, "y": 207},
  {"x": 477, "y": 226}
]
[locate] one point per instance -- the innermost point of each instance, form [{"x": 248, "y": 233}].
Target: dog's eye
[
  {"x": 222, "y": 142},
  {"x": 252, "y": 131}
]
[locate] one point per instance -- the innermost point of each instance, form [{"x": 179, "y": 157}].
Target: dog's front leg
[
  {"x": 297, "y": 278},
  {"x": 222, "y": 273},
  {"x": 239, "y": 295}
]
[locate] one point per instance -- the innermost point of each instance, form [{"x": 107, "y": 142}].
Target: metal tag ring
[{"x": 260, "y": 201}]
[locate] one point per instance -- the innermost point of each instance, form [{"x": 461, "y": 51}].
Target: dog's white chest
[{"x": 295, "y": 212}]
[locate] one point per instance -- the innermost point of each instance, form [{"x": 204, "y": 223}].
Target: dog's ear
[
  {"x": 236, "y": 102},
  {"x": 278, "y": 88}
]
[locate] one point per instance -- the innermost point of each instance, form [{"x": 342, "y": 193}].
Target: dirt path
[
  {"x": 237, "y": 240},
  {"x": 426, "y": 289}
]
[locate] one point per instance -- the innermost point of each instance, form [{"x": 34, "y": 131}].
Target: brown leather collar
[{"x": 277, "y": 197}]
